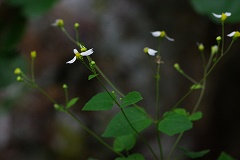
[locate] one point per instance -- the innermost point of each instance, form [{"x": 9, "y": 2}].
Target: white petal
[
  {"x": 151, "y": 52},
  {"x": 231, "y": 34},
  {"x": 75, "y": 51},
  {"x": 228, "y": 14},
  {"x": 72, "y": 60},
  {"x": 168, "y": 38},
  {"x": 87, "y": 53},
  {"x": 217, "y": 15},
  {"x": 156, "y": 33}
]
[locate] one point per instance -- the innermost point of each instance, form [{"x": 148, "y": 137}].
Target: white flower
[
  {"x": 222, "y": 16},
  {"x": 79, "y": 55},
  {"x": 234, "y": 34},
  {"x": 150, "y": 51},
  {"x": 161, "y": 34}
]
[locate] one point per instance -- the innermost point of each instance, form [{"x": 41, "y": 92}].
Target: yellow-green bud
[
  {"x": 218, "y": 39},
  {"x": 19, "y": 79},
  {"x": 83, "y": 49},
  {"x": 17, "y": 71},
  {"x": 201, "y": 47},
  {"x": 214, "y": 49},
  {"x": 176, "y": 66},
  {"x": 65, "y": 86},
  {"x": 33, "y": 54},
  {"x": 76, "y": 25}
]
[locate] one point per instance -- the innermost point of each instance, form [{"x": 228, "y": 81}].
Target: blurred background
[{"x": 118, "y": 31}]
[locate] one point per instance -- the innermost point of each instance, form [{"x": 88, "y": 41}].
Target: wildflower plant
[{"x": 126, "y": 126}]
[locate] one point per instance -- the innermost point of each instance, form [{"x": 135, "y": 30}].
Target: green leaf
[
  {"x": 131, "y": 98},
  {"x": 181, "y": 111},
  {"x": 101, "y": 101},
  {"x": 207, "y": 7},
  {"x": 193, "y": 155},
  {"x": 174, "y": 123},
  {"x": 225, "y": 156},
  {"x": 124, "y": 143},
  {"x": 195, "y": 116},
  {"x": 135, "y": 156},
  {"x": 71, "y": 102},
  {"x": 92, "y": 76},
  {"x": 119, "y": 126}
]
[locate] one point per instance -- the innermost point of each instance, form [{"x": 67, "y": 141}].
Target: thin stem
[
  {"x": 93, "y": 134},
  {"x": 174, "y": 145},
  {"x": 222, "y": 38},
  {"x": 32, "y": 70},
  {"x": 68, "y": 36}
]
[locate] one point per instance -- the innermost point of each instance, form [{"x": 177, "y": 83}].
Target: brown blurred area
[{"x": 118, "y": 31}]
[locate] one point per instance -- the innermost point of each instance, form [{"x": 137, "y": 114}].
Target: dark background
[{"x": 118, "y": 31}]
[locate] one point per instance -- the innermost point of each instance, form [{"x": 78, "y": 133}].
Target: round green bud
[
  {"x": 214, "y": 49},
  {"x": 218, "y": 39},
  {"x": 201, "y": 47},
  {"x": 65, "y": 86},
  {"x": 19, "y": 79},
  {"x": 17, "y": 71},
  {"x": 60, "y": 23},
  {"x": 33, "y": 54},
  {"x": 176, "y": 66},
  {"x": 76, "y": 25},
  {"x": 83, "y": 49}
]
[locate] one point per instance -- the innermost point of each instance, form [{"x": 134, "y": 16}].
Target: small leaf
[
  {"x": 194, "y": 155},
  {"x": 225, "y": 156},
  {"x": 196, "y": 86},
  {"x": 195, "y": 116},
  {"x": 92, "y": 76},
  {"x": 181, "y": 111},
  {"x": 119, "y": 126},
  {"x": 131, "y": 98},
  {"x": 124, "y": 143},
  {"x": 101, "y": 101},
  {"x": 135, "y": 156},
  {"x": 174, "y": 123},
  {"x": 71, "y": 102}
]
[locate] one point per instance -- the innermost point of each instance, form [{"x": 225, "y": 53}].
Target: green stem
[
  {"x": 222, "y": 39},
  {"x": 68, "y": 36},
  {"x": 93, "y": 134},
  {"x": 174, "y": 145},
  {"x": 32, "y": 70}
]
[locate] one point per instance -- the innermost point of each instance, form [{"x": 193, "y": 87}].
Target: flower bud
[
  {"x": 64, "y": 86},
  {"x": 201, "y": 47},
  {"x": 17, "y": 71},
  {"x": 83, "y": 49},
  {"x": 59, "y": 23},
  {"x": 19, "y": 79},
  {"x": 76, "y": 25},
  {"x": 33, "y": 54},
  {"x": 218, "y": 39},
  {"x": 214, "y": 49}
]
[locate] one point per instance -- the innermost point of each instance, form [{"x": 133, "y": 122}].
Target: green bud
[
  {"x": 33, "y": 54},
  {"x": 19, "y": 79},
  {"x": 201, "y": 47},
  {"x": 65, "y": 86},
  {"x": 214, "y": 49},
  {"x": 83, "y": 49},
  {"x": 76, "y": 25},
  {"x": 218, "y": 39},
  {"x": 176, "y": 66},
  {"x": 17, "y": 71}
]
